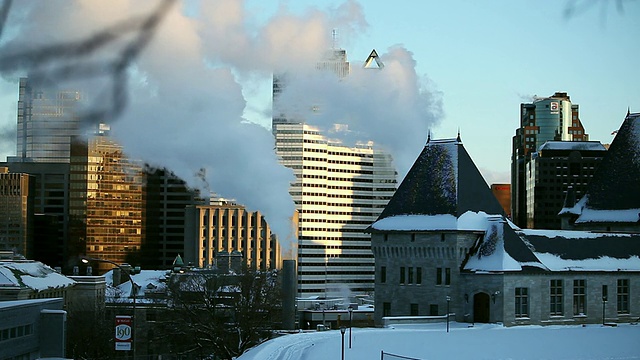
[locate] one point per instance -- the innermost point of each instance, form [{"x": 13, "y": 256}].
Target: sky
[
  {"x": 199, "y": 93},
  {"x": 483, "y": 341}
]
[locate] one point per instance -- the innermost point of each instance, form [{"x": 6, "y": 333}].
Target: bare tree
[{"x": 220, "y": 315}]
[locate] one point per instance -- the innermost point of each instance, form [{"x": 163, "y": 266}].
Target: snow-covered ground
[{"x": 485, "y": 341}]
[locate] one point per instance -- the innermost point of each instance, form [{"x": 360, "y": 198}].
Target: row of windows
[
  {"x": 16, "y": 332},
  {"x": 556, "y": 298}
]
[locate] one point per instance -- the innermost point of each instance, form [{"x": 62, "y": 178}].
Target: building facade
[
  {"x": 220, "y": 231},
  {"x": 16, "y": 207},
  {"x": 553, "y": 118},
  {"x": 166, "y": 198},
  {"x": 32, "y": 329},
  {"x": 339, "y": 191},
  {"x": 554, "y": 169},
  {"x": 105, "y": 200},
  {"x": 48, "y": 119},
  {"x": 444, "y": 249}
]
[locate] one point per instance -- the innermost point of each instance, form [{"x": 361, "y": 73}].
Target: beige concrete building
[{"x": 223, "y": 231}]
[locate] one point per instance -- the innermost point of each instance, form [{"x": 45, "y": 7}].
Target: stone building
[{"x": 443, "y": 246}]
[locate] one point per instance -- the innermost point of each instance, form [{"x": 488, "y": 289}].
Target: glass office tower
[{"x": 47, "y": 121}]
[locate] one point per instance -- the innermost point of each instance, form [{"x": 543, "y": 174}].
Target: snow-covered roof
[
  {"x": 506, "y": 249},
  {"x": 33, "y": 275},
  {"x": 146, "y": 281},
  {"x": 469, "y": 221},
  {"x": 572, "y": 145},
  {"x": 613, "y": 195},
  {"x": 442, "y": 181}
]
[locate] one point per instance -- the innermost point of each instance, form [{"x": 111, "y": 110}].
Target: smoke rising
[
  {"x": 182, "y": 84},
  {"x": 392, "y": 106}
]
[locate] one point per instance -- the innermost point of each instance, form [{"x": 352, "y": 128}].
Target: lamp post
[
  {"x": 342, "y": 331},
  {"x": 350, "y": 320},
  {"x": 448, "y": 300},
  {"x": 86, "y": 260},
  {"x": 604, "y": 301}
]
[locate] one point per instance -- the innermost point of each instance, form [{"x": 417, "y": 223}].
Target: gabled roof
[
  {"x": 614, "y": 187},
  {"x": 442, "y": 181},
  {"x": 507, "y": 249},
  {"x": 33, "y": 275}
]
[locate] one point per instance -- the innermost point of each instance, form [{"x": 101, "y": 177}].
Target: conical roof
[
  {"x": 615, "y": 184},
  {"x": 442, "y": 181}
]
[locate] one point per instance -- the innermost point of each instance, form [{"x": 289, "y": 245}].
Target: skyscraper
[
  {"x": 47, "y": 121},
  {"x": 16, "y": 207},
  {"x": 105, "y": 200},
  {"x": 553, "y": 118},
  {"x": 166, "y": 197},
  {"x": 339, "y": 191}
]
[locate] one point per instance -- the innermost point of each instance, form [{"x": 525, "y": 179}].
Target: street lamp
[
  {"x": 342, "y": 331},
  {"x": 350, "y": 320},
  {"x": 448, "y": 300},
  {"x": 86, "y": 260}
]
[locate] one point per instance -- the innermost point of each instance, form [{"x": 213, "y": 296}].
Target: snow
[
  {"x": 570, "y": 234},
  {"x": 483, "y": 341},
  {"x": 149, "y": 280},
  {"x": 593, "y": 215},
  {"x": 572, "y": 145},
  {"x": 32, "y": 274},
  {"x": 491, "y": 255},
  {"x": 469, "y": 221},
  {"x": 555, "y": 263}
]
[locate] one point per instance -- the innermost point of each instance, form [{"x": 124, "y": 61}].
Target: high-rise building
[
  {"x": 16, "y": 207},
  {"x": 166, "y": 197},
  {"x": 50, "y": 209},
  {"x": 47, "y": 121},
  {"x": 502, "y": 192},
  {"x": 339, "y": 191},
  {"x": 556, "y": 168},
  {"x": 553, "y": 118},
  {"x": 105, "y": 200},
  {"x": 224, "y": 229}
]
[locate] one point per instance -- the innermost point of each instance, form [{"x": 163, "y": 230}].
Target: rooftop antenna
[{"x": 334, "y": 37}]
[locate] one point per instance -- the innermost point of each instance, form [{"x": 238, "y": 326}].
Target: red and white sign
[
  {"x": 123, "y": 332},
  {"x": 555, "y": 106}
]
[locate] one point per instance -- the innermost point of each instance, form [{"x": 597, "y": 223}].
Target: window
[
  {"x": 433, "y": 310},
  {"x": 447, "y": 276},
  {"x": 522, "y": 302},
  {"x": 410, "y": 280},
  {"x": 414, "y": 310},
  {"x": 402, "y": 280},
  {"x": 623, "y": 296},
  {"x": 418, "y": 275},
  {"x": 386, "y": 309},
  {"x": 439, "y": 276},
  {"x": 555, "y": 301},
  {"x": 383, "y": 274},
  {"x": 579, "y": 296}
]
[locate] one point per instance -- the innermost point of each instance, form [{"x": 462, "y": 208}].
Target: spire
[
  {"x": 458, "y": 138},
  {"x": 429, "y": 136},
  {"x": 373, "y": 56},
  {"x": 628, "y": 111}
]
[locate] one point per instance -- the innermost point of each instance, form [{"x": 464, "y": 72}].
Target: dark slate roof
[
  {"x": 615, "y": 184},
  {"x": 578, "y": 245},
  {"x": 443, "y": 180},
  {"x": 554, "y": 250}
]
